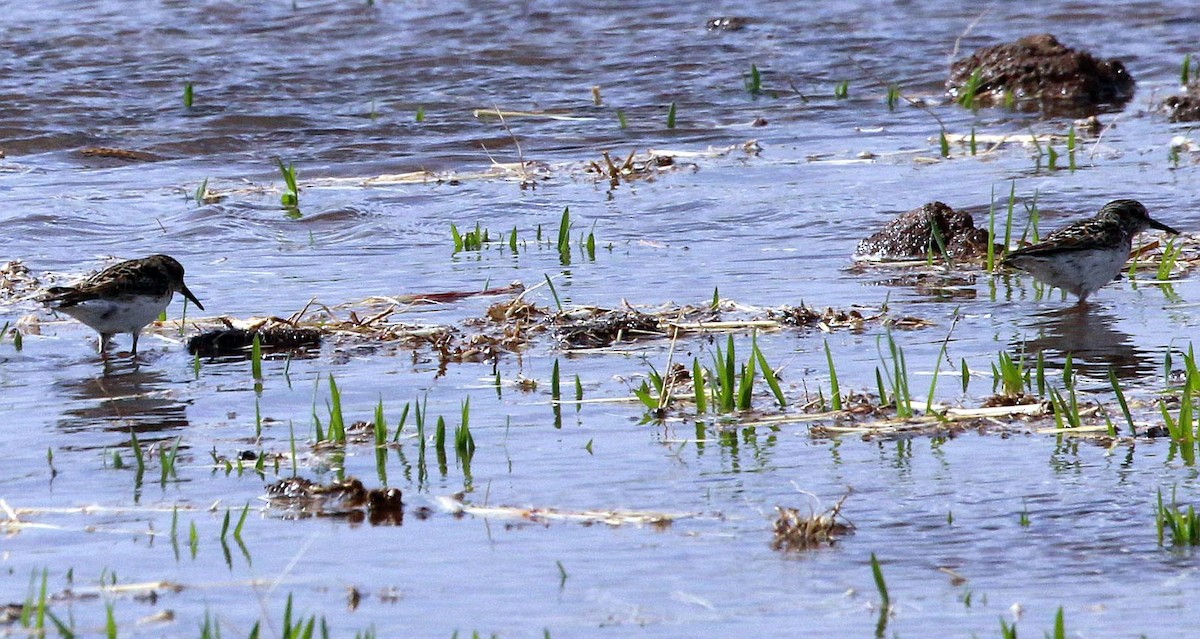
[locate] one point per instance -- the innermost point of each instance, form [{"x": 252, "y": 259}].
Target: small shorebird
[
  {"x": 1088, "y": 254},
  {"x": 122, "y": 298}
]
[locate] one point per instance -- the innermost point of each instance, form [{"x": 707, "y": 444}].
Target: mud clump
[
  {"x": 1186, "y": 107},
  {"x": 911, "y": 235},
  {"x": 238, "y": 341},
  {"x": 346, "y": 499},
  {"x": 1037, "y": 72}
]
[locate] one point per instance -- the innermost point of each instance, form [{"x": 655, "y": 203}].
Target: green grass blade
[
  {"x": 698, "y": 386},
  {"x": 880, "y": 584},
  {"x": 835, "y": 388}
]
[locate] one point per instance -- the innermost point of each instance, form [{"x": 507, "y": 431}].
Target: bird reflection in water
[
  {"x": 1092, "y": 339},
  {"x": 124, "y": 396}
]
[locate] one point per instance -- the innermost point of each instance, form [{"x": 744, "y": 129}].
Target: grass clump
[
  {"x": 1183, "y": 525},
  {"x": 472, "y": 240},
  {"x": 895, "y": 371},
  {"x": 733, "y": 384}
]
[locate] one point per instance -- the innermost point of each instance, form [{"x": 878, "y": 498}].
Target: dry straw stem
[
  {"x": 497, "y": 112},
  {"x": 14, "y": 523},
  {"x": 617, "y": 517},
  {"x": 521, "y": 171}
]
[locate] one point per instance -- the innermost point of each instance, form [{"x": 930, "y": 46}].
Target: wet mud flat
[{"x": 515, "y": 358}]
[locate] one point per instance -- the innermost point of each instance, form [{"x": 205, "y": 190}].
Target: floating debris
[
  {"x": 632, "y": 168},
  {"x": 1039, "y": 73},
  {"x": 726, "y": 23},
  {"x": 852, "y": 319},
  {"x": 11, "y": 613},
  {"x": 795, "y": 531},
  {"x": 118, "y": 154},
  {"x": 347, "y": 499}
]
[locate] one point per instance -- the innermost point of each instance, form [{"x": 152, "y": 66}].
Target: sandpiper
[
  {"x": 122, "y": 298},
  {"x": 1087, "y": 254}
]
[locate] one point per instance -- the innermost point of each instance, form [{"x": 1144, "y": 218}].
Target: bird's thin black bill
[
  {"x": 1155, "y": 224},
  {"x": 188, "y": 294}
]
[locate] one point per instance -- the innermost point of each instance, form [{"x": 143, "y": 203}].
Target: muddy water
[{"x": 335, "y": 88}]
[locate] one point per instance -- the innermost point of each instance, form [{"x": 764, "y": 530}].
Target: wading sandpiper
[
  {"x": 1087, "y": 254},
  {"x": 122, "y": 298}
]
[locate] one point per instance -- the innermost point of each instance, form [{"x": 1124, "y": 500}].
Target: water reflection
[
  {"x": 1090, "y": 335},
  {"x": 123, "y": 396}
]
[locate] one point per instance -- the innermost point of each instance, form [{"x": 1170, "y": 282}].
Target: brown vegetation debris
[
  {"x": 16, "y": 282},
  {"x": 632, "y": 168},
  {"x": 1040, "y": 73},
  {"x": 516, "y": 309},
  {"x": 11, "y": 613},
  {"x": 453, "y": 346},
  {"x": 600, "y": 328},
  {"x": 795, "y": 531},
  {"x": 347, "y": 499}
]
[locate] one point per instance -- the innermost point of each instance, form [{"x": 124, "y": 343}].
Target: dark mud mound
[
  {"x": 237, "y": 342},
  {"x": 911, "y": 236},
  {"x": 1039, "y": 73}
]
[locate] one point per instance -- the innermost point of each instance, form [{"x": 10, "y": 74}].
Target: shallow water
[{"x": 334, "y": 87}]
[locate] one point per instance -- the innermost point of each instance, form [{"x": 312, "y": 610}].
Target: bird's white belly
[
  {"x": 126, "y": 314},
  {"x": 1077, "y": 272}
]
